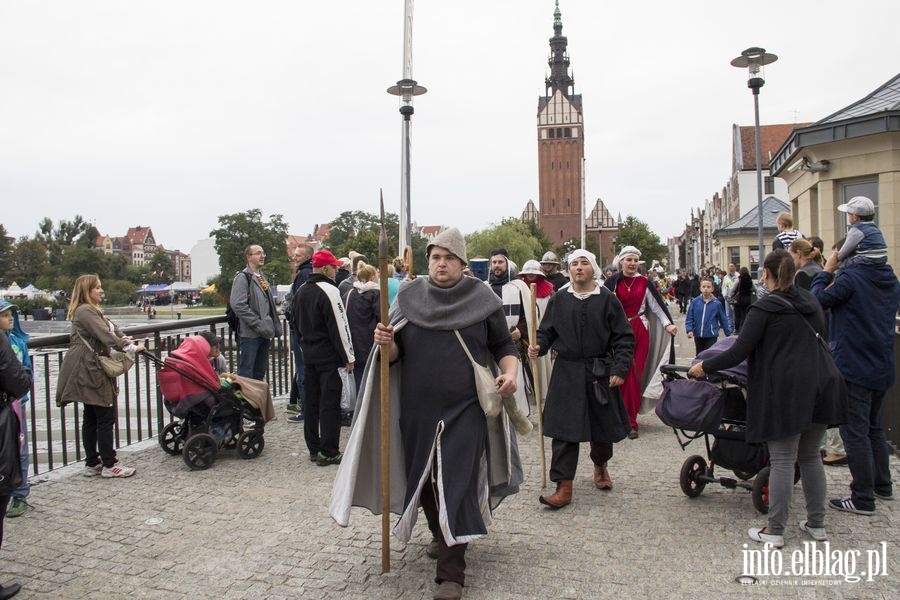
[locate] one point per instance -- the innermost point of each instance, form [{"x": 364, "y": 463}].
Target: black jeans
[
  {"x": 702, "y": 343},
  {"x": 322, "y": 409},
  {"x": 451, "y": 561},
  {"x": 868, "y": 455},
  {"x": 97, "y": 434},
  {"x": 564, "y": 459}
]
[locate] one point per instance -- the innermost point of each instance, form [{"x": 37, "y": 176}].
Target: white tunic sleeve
[{"x": 650, "y": 301}]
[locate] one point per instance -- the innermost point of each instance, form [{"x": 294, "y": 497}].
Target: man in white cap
[
  {"x": 533, "y": 274},
  {"x": 444, "y": 441},
  {"x": 865, "y": 243},
  {"x": 650, "y": 321},
  {"x": 587, "y": 328}
]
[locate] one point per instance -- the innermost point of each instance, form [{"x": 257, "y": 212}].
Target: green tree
[
  {"x": 7, "y": 248},
  {"x": 29, "y": 261},
  {"x": 358, "y": 230},
  {"x": 117, "y": 291},
  {"x": 115, "y": 266},
  {"x": 162, "y": 269},
  {"x": 512, "y": 234},
  {"x": 239, "y": 230},
  {"x": 634, "y": 232},
  {"x": 79, "y": 260}
]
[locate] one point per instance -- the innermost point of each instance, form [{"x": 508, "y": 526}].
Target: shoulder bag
[
  {"x": 485, "y": 383},
  {"x": 10, "y": 468},
  {"x": 113, "y": 365}
]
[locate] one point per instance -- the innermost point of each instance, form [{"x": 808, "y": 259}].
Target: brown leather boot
[
  {"x": 602, "y": 480},
  {"x": 562, "y": 496}
]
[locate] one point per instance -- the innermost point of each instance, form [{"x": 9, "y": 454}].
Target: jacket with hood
[
  {"x": 863, "y": 303},
  {"x": 783, "y": 367},
  {"x": 705, "y": 318},
  {"x": 254, "y": 306},
  {"x": 363, "y": 304},
  {"x": 18, "y": 339},
  {"x": 322, "y": 322}
]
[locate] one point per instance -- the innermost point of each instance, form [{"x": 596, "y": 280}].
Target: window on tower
[
  {"x": 552, "y": 133},
  {"x": 559, "y": 132},
  {"x": 568, "y": 132}
]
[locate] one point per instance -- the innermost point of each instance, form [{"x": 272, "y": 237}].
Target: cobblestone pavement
[{"x": 260, "y": 529}]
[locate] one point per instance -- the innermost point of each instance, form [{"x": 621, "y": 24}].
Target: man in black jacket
[
  {"x": 303, "y": 261},
  {"x": 15, "y": 381},
  {"x": 326, "y": 346}
]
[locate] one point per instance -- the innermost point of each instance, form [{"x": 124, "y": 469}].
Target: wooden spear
[
  {"x": 536, "y": 379},
  {"x": 385, "y": 364}
]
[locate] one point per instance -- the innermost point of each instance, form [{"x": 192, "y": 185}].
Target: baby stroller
[
  {"x": 716, "y": 408},
  {"x": 212, "y": 416}
]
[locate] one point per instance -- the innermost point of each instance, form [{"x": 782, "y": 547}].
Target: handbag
[
  {"x": 10, "y": 467},
  {"x": 485, "y": 383},
  {"x": 113, "y": 365}
]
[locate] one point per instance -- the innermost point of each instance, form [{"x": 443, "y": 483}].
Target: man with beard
[
  {"x": 442, "y": 442},
  {"x": 587, "y": 327},
  {"x": 516, "y": 298}
]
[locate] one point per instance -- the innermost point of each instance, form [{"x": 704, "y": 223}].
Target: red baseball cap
[{"x": 323, "y": 258}]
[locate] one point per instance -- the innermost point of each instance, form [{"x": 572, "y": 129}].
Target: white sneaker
[
  {"x": 118, "y": 470},
  {"x": 756, "y": 534},
  {"x": 816, "y": 533},
  {"x": 92, "y": 471}
]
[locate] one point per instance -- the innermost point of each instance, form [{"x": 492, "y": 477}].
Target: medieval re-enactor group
[{"x": 446, "y": 455}]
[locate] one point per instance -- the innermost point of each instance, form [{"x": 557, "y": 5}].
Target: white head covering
[
  {"x": 626, "y": 251},
  {"x": 581, "y": 253}
]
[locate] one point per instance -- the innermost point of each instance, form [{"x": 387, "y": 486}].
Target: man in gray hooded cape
[{"x": 446, "y": 455}]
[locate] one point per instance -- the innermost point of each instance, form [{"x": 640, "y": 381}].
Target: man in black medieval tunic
[
  {"x": 586, "y": 325},
  {"x": 456, "y": 462}
]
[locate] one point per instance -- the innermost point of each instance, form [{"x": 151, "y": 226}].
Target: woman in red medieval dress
[{"x": 650, "y": 320}]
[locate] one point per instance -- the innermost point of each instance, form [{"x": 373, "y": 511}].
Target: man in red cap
[{"x": 326, "y": 346}]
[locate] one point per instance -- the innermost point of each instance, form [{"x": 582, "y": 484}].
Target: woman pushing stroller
[{"x": 792, "y": 396}]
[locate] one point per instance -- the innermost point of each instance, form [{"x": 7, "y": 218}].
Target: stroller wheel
[
  {"x": 760, "y": 491},
  {"x": 691, "y": 471},
  {"x": 200, "y": 451},
  {"x": 250, "y": 444},
  {"x": 171, "y": 438}
]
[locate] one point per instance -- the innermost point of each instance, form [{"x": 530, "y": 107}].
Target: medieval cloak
[
  {"x": 435, "y": 416},
  {"x": 579, "y": 331},
  {"x": 660, "y": 343}
]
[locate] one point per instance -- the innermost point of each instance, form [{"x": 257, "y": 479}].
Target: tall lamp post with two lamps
[{"x": 754, "y": 59}]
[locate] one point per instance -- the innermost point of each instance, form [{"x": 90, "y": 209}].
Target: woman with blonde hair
[
  {"x": 363, "y": 305},
  {"x": 82, "y": 379},
  {"x": 807, "y": 260}
]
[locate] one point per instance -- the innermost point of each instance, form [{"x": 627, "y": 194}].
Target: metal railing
[{"x": 54, "y": 435}]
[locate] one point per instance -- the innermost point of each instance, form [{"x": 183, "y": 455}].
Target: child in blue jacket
[
  {"x": 705, "y": 316},
  {"x": 18, "y": 339}
]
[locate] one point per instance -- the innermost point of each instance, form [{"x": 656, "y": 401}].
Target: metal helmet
[{"x": 550, "y": 257}]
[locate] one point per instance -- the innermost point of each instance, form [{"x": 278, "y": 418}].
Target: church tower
[{"x": 560, "y": 134}]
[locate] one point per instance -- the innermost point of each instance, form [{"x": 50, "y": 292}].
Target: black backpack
[{"x": 230, "y": 316}]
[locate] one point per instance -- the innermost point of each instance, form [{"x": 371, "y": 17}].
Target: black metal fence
[{"x": 54, "y": 433}]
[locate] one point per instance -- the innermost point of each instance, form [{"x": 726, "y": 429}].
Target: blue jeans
[
  {"x": 867, "y": 450},
  {"x": 254, "y": 357},
  {"x": 23, "y": 489},
  {"x": 299, "y": 374}
]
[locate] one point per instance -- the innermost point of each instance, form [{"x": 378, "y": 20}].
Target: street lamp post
[
  {"x": 754, "y": 59},
  {"x": 406, "y": 89}
]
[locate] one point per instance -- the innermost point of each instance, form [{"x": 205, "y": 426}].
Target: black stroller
[
  {"x": 716, "y": 408},
  {"x": 212, "y": 416}
]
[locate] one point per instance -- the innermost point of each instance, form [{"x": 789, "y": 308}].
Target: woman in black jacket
[
  {"x": 790, "y": 400},
  {"x": 363, "y": 304},
  {"x": 743, "y": 297}
]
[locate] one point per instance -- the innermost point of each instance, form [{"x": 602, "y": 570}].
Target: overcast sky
[{"x": 169, "y": 113}]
